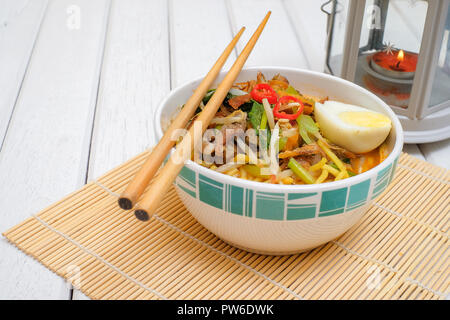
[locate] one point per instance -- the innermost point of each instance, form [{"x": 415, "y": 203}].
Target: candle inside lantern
[
  {"x": 400, "y": 58},
  {"x": 397, "y": 64}
]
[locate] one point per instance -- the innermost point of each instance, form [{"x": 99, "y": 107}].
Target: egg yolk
[{"x": 365, "y": 119}]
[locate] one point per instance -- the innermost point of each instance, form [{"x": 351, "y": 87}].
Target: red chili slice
[
  {"x": 263, "y": 90},
  {"x": 284, "y": 115}
]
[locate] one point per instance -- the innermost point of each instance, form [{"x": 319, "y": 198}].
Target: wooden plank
[
  {"x": 135, "y": 78},
  {"x": 19, "y": 26},
  {"x": 278, "y": 45},
  {"x": 44, "y": 155},
  {"x": 197, "y": 39},
  {"x": 135, "y": 75},
  {"x": 437, "y": 153},
  {"x": 309, "y": 23}
]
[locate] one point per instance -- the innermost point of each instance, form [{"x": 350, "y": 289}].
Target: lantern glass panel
[
  {"x": 390, "y": 41},
  {"x": 336, "y": 49},
  {"x": 440, "y": 93}
]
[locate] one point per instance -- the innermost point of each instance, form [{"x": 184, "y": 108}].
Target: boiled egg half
[{"x": 354, "y": 128}]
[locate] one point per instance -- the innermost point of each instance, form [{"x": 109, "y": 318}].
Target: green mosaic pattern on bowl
[
  {"x": 301, "y": 206},
  {"x": 384, "y": 178},
  {"x": 281, "y": 206}
]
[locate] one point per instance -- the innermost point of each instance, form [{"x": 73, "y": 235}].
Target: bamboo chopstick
[
  {"x": 162, "y": 182},
  {"x": 140, "y": 181}
]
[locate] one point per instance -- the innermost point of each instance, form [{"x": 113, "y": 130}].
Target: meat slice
[
  {"x": 284, "y": 164},
  {"x": 341, "y": 152},
  {"x": 280, "y": 78},
  {"x": 238, "y": 101},
  {"x": 245, "y": 86},
  {"x": 228, "y": 130},
  {"x": 260, "y": 78},
  {"x": 279, "y": 82},
  {"x": 307, "y": 150}
]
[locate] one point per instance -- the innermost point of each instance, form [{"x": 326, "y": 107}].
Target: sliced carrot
[
  {"x": 292, "y": 142},
  {"x": 273, "y": 178}
]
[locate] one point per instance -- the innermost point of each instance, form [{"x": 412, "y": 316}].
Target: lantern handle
[
  {"x": 322, "y": 7},
  {"x": 330, "y": 25}
]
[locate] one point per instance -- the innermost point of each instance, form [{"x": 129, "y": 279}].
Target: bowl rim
[{"x": 268, "y": 187}]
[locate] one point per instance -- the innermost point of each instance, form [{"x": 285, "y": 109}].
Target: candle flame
[{"x": 400, "y": 56}]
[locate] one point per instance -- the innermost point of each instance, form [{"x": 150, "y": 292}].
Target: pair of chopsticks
[{"x": 151, "y": 200}]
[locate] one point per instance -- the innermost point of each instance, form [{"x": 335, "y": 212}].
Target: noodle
[{"x": 290, "y": 137}]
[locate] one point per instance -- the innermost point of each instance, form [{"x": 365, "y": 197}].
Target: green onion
[
  {"x": 208, "y": 95},
  {"x": 306, "y": 125},
  {"x": 255, "y": 115},
  {"x": 263, "y": 121},
  {"x": 291, "y": 90},
  {"x": 304, "y": 134},
  {"x": 351, "y": 174},
  {"x": 264, "y": 138},
  {"x": 333, "y": 165},
  {"x": 300, "y": 172},
  {"x": 254, "y": 170},
  {"x": 282, "y": 143}
]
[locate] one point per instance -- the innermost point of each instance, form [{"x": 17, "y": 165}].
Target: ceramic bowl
[{"x": 283, "y": 219}]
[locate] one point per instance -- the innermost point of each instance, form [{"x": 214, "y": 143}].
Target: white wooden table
[{"x": 80, "y": 80}]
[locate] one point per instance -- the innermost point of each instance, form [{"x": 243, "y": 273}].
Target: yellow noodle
[
  {"x": 322, "y": 176},
  {"x": 243, "y": 173},
  {"x": 331, "y": 155},
  {"x": 232, "y": 172},
  {"x": 340, "y": 176},
  {"x": 318, "y": 165},
  {"x": 331, "y": 170},
  {"x": 287, "y": 180}
]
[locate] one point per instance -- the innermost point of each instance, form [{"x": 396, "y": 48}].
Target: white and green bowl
[{"x": 283, "y": 219}]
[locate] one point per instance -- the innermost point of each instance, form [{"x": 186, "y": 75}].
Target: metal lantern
[{"x": 400, "y": 51}]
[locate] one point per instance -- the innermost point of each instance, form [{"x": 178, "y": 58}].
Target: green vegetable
[
  {"x": 306, "y": 125},
  {"x": 264, "y": 137},
  {"x": 292, "y": 91},
  {"x": 351, "y": 174},
  {"x": 208, "y": 96},
  {"x": 254, "y": 171},
  {"x": 300, "y": 172},
  {"x": 263, "y": 121},
  {"x": 246, "y": 107},
  {"x": 255, "y": 115},
  {"x": 304, "y": 134},
  {"x": 210, "y": 93},
  {"x": 282, "y": 143}
]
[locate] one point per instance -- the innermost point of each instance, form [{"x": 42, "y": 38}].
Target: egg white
[{"x": 354, "y": 128}]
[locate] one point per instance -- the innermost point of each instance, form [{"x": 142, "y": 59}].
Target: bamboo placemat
[{"x": 399, "y": 249}]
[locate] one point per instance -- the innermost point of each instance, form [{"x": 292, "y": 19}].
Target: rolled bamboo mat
[{"x": 398, "y": 250}]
